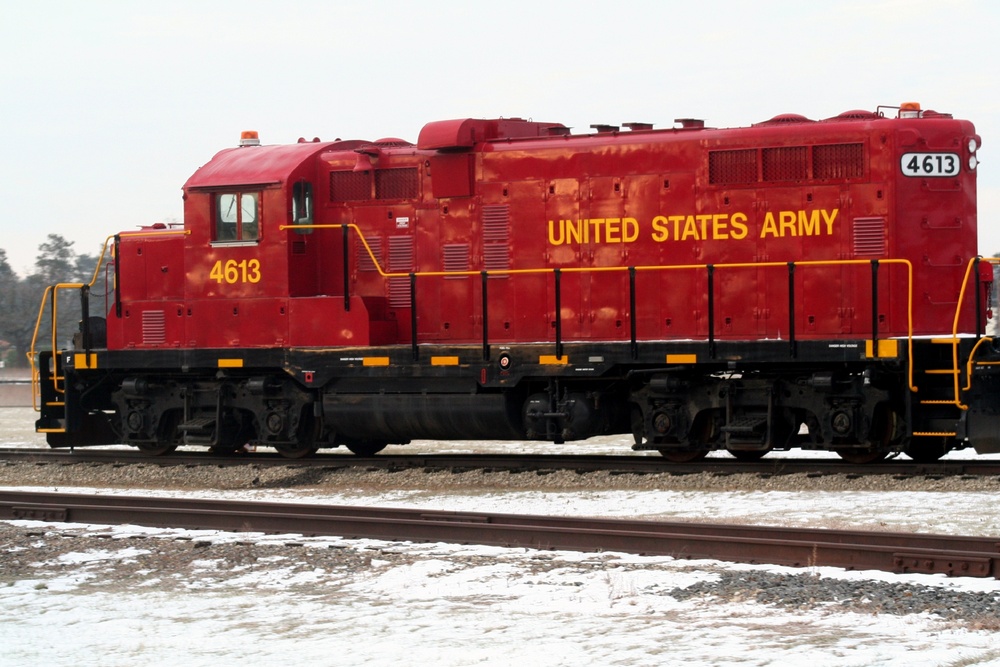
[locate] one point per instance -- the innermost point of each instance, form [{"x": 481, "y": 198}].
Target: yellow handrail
[{"x": 954, "y": 334}]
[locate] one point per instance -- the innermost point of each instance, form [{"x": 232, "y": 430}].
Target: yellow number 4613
[{"x": 243, "y": 271}]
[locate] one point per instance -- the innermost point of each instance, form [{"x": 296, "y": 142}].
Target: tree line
[{"x": 21, "y": 298}]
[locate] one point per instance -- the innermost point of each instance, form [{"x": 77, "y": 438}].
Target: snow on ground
[
  {"x": 450, "y": 605},
  {"x": 417, "y": 604}
]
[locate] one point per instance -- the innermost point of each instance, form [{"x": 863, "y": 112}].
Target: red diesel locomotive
[{"x": 795, "y": 283}]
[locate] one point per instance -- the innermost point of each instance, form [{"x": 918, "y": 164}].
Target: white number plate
[{"x": 930, "y": 164}]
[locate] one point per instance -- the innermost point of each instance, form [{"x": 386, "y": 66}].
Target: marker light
[
  {"x": 249, "y": 138},
  {"x": 973, "y": 147},
  {"x": 909, "y": 110}
]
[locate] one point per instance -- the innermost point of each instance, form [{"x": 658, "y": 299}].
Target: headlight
[
  {"x": 973, "y": 162},
  {"x": 972, "y": 146}
]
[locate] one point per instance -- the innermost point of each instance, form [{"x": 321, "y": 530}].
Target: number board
[{"x": 929, "y": 164}]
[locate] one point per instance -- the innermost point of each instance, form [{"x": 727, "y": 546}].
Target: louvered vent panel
[
  {"x": 838, "y": 161},
  {"x": 396, "y": 183},
  {"x": 496, "y": 223},
  {"x": 455, "y": 257},
  {"x": 785, "y": 163},
  {"x": 154, "y": 327},
  {"x": 869, "y": 237},
  {"x": 350, "y": 185},
  {"x": 732, "y": 167},
  {"x": 496, "y": 238},
  {"x": 365, "y": 262},
  {"x": 400, "y": 260}
]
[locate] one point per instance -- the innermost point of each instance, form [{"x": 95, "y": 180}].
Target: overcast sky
[{"x": 107, "y": 107}]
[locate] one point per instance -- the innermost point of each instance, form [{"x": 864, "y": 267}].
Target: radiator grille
[
  {"x": 350, "y": 186},
  {"x": 839, "y": 161},
  {"x": 786, "y": 163},
  {"x": 396, "y": 183},
  {"x": 730, "y": 167}
]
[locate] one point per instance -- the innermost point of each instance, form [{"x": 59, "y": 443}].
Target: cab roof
[{"x": 259, "y": 165}]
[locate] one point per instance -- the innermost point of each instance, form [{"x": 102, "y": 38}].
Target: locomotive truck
[{"x": 794, "y": 283}]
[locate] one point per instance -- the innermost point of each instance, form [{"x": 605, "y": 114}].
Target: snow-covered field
[{"x": 141, "y": 596}]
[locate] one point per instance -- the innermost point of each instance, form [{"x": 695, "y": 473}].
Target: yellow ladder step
[
  {"x": 942, "y": 371},
  {"x": 929, "y": 402},
  {"x": 934, "y": 434}
]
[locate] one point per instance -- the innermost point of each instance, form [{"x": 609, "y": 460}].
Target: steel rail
[{"x": 797, "y": 547}]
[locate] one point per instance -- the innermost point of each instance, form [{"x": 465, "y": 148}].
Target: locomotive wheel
[
  {"x": 297, "y": 451},
  {"x": 883, "y": 433},
  {"x": 861, "y": 456},
  {"x": 168, "y": 437},
  {"x": 702, "y": 434},
  {"x": 366, "y": 448},
  {"x": 927, "y": 450},
  {"x": 309, "y": 431},
  {"x": 682, "y": 455}
]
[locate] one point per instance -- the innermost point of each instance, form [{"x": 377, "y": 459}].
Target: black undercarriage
[{"x": 683, "y": 399}]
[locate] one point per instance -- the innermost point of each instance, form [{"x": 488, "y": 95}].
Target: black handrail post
[
  {"x": 875, "y": 308},
  {"x": 118, "y": 277},
  {"x": 53, "y": 314},
  {"x": 413, "y": 314},
  {"x": 486, "y": 317},
  {"x": 85, "y": 318},
  {"x": 631, "y": 310},
  {"x": 347, "y": 272},
  {"x": 711, "y": 310},
  {"x": 558, "y": 277},
  {"x": 791, "y": 310}
]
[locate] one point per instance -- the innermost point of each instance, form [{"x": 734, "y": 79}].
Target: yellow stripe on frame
[
  {"x": 375, "y": 361},
  {"x": 444, "y": 361},
  {"x": 682, "y": 358},
  {"x": 886, "y": 348},
  {"x": 230, "y": 363},
  {"x": 81, "y": 360},
  {"x": 553, "y": 360}
]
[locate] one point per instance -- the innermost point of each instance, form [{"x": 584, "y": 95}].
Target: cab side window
[
  {"x": 302, "y": 205},
  {"x": 237, "y": 216}
]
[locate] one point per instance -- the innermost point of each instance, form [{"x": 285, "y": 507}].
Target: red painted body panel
[{"x": 519, "y": 199}]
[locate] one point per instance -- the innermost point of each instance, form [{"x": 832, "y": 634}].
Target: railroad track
[
  {"x": 860, "y": 550},
  {"x": 516, "y": 462}
]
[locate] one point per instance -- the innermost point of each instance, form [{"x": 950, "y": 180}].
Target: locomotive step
[
  {"x": 198, "y": 425},
  {"x": 745, "y": 425},
  {"x": 50, "y": 425}
]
